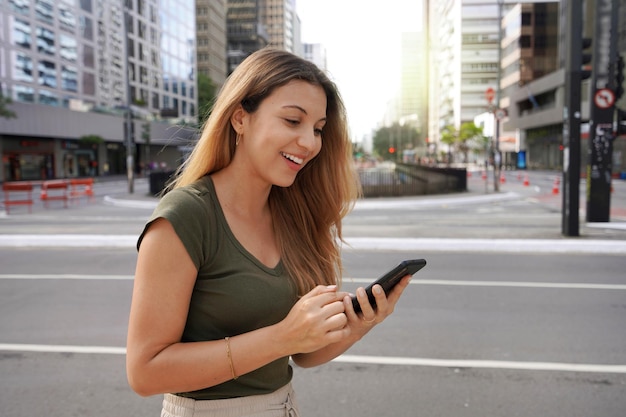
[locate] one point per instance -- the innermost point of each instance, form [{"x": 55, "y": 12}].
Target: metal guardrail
[{"x": 407, "y": 180}]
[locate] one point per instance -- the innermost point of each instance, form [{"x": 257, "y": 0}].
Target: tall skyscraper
[
  {"x": 211, "y": 39},
  {"x": 246, "y": 31},
  {"x": 414, "y": 88},
  {"x": 464, "y": 44}
]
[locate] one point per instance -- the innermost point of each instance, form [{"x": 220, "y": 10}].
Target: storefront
[
  {"x": 79, "y": 160},
  {"x": 25, "y": 159},
  {"x": 39, "y": 159}
]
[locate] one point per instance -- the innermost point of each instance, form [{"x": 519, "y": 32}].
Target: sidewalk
[{"x": 517, "y": 212}]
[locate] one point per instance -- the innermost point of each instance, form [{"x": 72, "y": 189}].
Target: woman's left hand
[{"x": 361, "y": 323}]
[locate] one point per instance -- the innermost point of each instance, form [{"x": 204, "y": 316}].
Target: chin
[{"x": 284, "y": 182}]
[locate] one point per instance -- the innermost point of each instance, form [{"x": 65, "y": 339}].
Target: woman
[{"x": 239, "y": 266}]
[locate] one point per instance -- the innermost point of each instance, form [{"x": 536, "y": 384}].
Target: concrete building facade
[
  {"x": 74, "y": 70},
  {"x": 211, "y": 39}
]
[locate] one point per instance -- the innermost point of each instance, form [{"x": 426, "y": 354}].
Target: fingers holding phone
[{"x": 372, "y": 313}]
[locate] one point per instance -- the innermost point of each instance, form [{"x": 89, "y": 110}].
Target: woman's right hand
[{"x": 315, "y": 321}]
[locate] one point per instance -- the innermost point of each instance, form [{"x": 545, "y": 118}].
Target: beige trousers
[{"x": 280, "y": 403}]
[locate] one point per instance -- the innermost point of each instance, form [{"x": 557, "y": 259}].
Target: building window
[
  {"x": 24, "y": 94},
  {"x": 67, "y": 19},
  {"x": 23, "y": 68},
  {"x": 86, "y": 27},
  {"x": 45, "y": 41},
  {"x": 69, "y": 78},
  {"x": 525, "y": 41},
  {"x": 19, "y": 7},
  {"x": 44, "y": 11},
  {"x": 155, "y": 101},
  {"x": 47, "y": 74},
  {"x": 48, "y": 98},
  {"x": 88, "y": 56},
  {"x": 89, "y": 84},
  {"x": 22, "y": 34},
  {"x": 86, "y": 5},
  {"x": 68, "y": 48}
]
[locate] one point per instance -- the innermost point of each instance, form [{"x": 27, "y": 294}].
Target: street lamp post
[
  {"x": 128, "y": 117},
  {"x": 497, "y": 158}
]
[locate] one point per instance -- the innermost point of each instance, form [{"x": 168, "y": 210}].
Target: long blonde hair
[{"x": 306, "y": 215}]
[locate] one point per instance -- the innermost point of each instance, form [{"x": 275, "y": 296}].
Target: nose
[{"x": 309, "y": 141}]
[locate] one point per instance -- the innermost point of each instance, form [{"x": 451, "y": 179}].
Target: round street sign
[
  {"x": 490, "y": 94},
  {"x": 604, "y": 98},
  {"x": 500, "y": 114}
]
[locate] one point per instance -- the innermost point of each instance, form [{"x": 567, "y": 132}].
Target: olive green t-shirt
[{"x": 234, "y": 292}]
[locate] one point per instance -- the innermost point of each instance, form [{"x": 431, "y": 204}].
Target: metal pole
[
  {"x": 497, "y": 159},
  {"x": 602, "y": 111},
  {"x": 128, "y": 131},
  {"x": 571, "y": 118}
]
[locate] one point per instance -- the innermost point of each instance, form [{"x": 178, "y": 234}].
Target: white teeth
[{"x": 292, "y": 158}]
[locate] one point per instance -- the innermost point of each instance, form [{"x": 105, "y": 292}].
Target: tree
[
  {"x": 91, "y": 139},
  {"x": 449, "y": 136},
  {"x": 469, "y": 137},
  {"x": 206, "y": 97},
  {"x": 4, "y": 111},
  {"x": 397, "y": 138}
]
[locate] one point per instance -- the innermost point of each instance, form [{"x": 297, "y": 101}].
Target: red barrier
[
  {"x": 54, "y": 190},
  {"x": 81, "y": 187},
  {"x": 24, "y": 191}
]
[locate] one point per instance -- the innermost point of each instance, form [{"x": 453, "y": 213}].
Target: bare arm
[{"x": 157, "y": 362}]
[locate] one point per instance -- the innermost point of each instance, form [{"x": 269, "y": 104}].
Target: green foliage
[
  {"x": 4, "y": 111},
  {"x": 207, "y": 92},
  {"x": 145, "y": 132},
  {"x": 471, "y": 137},
  {"x": 91, "y": 139},
  {"x": 449, "y": 135},
  {"x": 397, "y": 137},
  {"x": 467, "y": 137}
]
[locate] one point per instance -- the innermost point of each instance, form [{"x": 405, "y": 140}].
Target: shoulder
[{"x": 192, "y": 213}]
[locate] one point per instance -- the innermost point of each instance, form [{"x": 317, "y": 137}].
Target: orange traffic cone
[
  {"x": 502, "y": 177},
  {"x": 526, "y": 181},
  {"x": 556, "y": 186},
  {"x": 484, "y": 176}
]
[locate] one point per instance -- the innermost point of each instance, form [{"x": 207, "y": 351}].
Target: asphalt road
[{"x": 515, "y": 323}]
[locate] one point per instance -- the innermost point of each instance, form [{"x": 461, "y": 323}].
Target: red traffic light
[{"x": 392, "y": 149}]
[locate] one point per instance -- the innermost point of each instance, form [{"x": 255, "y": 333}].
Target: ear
[{"x": 237, "y": 120}]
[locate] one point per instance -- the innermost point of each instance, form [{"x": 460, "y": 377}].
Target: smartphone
[{"x": 390, "y": 279}]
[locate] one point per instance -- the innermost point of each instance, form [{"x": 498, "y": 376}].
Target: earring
[{"x": 238, "y": 139}]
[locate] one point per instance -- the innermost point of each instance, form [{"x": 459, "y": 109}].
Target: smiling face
[{"x": 283, "y": 134}]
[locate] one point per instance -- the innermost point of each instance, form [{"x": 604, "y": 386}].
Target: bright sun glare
[{"x": 362, "y": 41}]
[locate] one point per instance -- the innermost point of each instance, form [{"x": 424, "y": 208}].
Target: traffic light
[
  {"x": 392, "y": 149},
  {"x": 619, "y": 77},
  {"x": 585, "y": 59}
]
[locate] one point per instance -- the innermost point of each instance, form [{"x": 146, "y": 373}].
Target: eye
[
  {"x": 318, "y": 132},
  {"x": 293, "y": 122}
]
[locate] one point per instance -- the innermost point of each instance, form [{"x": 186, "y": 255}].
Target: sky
[{"x": 363, "y": 42}]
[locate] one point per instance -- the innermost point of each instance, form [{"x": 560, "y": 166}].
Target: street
[{"x": 507, "y": 319}]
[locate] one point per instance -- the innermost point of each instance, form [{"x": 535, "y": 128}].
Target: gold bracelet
[{"x": 230, "y": 358}]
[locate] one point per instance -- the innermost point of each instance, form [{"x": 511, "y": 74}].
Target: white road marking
[
  {"x": 369, "y": 360},
  {"x": 348, "y": 280}
]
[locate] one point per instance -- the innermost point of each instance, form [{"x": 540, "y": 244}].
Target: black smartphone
[{"x": 390, "y": 279}]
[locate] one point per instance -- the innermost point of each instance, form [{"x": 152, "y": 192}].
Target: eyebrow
[{"x": 295, "y": 106}]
